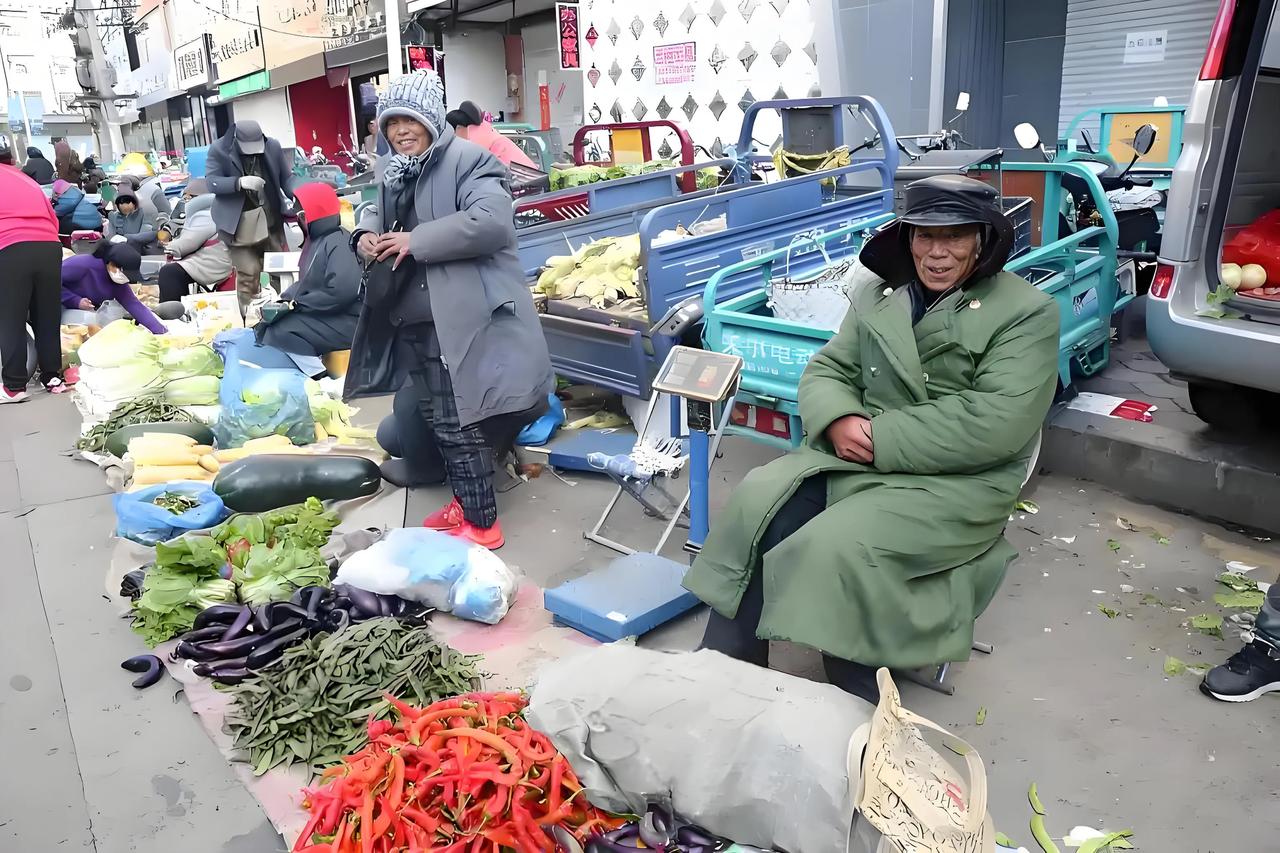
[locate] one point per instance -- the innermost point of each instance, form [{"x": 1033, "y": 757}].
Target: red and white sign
[
  {"x": 567, "y": 27},
  {"x": 675, "y": 63}
]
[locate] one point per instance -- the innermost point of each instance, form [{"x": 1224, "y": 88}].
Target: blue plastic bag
[
  {"x": 280, "y": 404},
  {"x": 436, "y": 569},
  {"x": 540, "y": 431},
  {"x": 140, "y": 520}
]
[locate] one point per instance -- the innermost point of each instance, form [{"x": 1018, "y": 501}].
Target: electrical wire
[{"x": 259, "y": 25}]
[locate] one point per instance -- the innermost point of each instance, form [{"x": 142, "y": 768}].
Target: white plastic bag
[{"x": 437, "y": 570}]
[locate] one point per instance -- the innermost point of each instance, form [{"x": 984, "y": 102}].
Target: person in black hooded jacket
[
  {"x": 319, "y": 312},
  {"x": 37, "y": 168}
]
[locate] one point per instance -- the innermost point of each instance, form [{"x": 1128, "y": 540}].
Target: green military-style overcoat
[{"x": 910, "y": 548}]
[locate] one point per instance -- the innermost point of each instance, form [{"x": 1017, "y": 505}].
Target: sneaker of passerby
[
  {"x": 1254, "y": 671},
  {"x": 56, "y": 386},
  {"x": 8, "y": 395}
]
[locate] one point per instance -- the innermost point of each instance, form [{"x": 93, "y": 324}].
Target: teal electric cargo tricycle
[{"x": 1078, "y": 269}]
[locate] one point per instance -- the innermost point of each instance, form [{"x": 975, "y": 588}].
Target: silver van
[{"x": 1228, "y": 175}]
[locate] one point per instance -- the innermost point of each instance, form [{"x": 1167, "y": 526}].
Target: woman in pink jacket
[
  {"x": 31, "y": 290},
  {"x": 469, "y": 123}
]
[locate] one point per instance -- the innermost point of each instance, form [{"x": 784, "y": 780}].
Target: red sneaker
[
  {"x": 447, "y": 518},
  {"x": 486, "y": 537}
]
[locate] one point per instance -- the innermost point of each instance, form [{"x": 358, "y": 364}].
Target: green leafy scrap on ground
[
  {"x": 1030, "y": 507},
  {"x": 1237, "y": 582},
  {"x": 1174, "y": 667},
  {"x": 1149, "y": 599},
  {"x": 982, "y": 715},
  {"x": 1160, "y": 540},
  {"x": 1240, "y": 600},
  {"x": 1208, "y": 623},
  {"x": 1113, "y": 545},
  {"x": 1108, "y": 612},
  {"x": 1109, "y": 841}
]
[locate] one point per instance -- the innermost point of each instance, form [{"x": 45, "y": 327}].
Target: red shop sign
[{"x": 567, "y": 27}]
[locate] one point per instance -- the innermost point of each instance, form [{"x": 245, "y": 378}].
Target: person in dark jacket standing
[
  {"x": 66, "y": 163},
  {"x": 251, "y": 179},
  {"x": 320, "y": 311},
  {"x": 30, "y": 255},
  {"x": 37, "y": 168},
  {"x": 446, "y": 301}
]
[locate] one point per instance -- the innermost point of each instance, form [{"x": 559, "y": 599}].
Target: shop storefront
[{"x": 355, "y": 55}]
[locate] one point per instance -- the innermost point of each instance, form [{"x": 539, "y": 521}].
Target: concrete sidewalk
[{"x": 1076, "y": 702}]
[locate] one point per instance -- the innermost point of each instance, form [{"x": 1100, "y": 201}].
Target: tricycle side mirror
[
  {"x": 1026, "y": 136},
  {"x": 1088, "y": 141},
  {"x": 1144, "y": 140},
  {"x": 962, "y": 102}
]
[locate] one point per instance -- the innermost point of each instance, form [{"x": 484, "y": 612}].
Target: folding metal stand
[{"x": 703, "y": 447}]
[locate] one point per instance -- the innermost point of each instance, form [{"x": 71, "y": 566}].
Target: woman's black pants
[
  {"x": 32, "y": 291},
  {"x": 737, "y": 638}
]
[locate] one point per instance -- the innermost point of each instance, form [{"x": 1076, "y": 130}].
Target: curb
[{"x": 1188, "y": 473}]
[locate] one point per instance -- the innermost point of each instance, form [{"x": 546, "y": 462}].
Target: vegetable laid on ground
[
  {"x": 465, "y": 774},
  {"x": 260, "y": 483},
  {"x": 311, "y": 705},
  {"x": 152, "y": 411},
  {"x": 150, "y": 666}
]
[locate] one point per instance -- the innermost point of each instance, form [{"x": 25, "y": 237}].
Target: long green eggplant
[{"x": 266, "y": 482}]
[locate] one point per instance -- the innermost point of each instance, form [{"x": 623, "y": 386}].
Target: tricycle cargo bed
[{"x": 1079, "y": 271}]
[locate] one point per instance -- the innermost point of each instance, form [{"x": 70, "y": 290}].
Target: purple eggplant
[
  {"x": 218, "y": 614},
  {"x": 230, "y": 674},
  {"x": 385, "y": 605},
  {"x": 213, "y": 632},
  {"x": 656, "y": 828},
  {"x": 363, "y": 602},
  {"x": 335, "y": 620},
  {"x": 262, "y": 618},
  {"x": 196, "y": 651},
  {"x": 691, "y": 836},
  {"x": 150, "y": 666},
  {"x": 313, "y": 598},
  {"x": 274, "y": 648},
  {"x": 205, "y": 669},
  {"x": 219, "y": 649},
  {"x": 236, "y": 628}
]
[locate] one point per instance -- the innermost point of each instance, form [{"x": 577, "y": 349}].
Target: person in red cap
[{"x": 319, "y": 312}]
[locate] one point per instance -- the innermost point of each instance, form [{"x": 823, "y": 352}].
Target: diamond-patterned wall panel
[
  {"x": 689, "y": 107},
  {"x": 593, "y": 76},
  {"x": 664, "y": 109},
  {"x": 717, "y": 12},
  {"x": 637, "y": 69},
  {"x": 687, "y": 17},
  {"x": 717, "y": 59},
  {"x": 780, "y": 51},
  {"x": 660, "y": 24},
  {"x": 613, "y": 31},
  {"x": 747, "y": 56},
  {"x": 616, "y": 113},
  {"x": 594, "y": 114},
  {"x": 639, "y": 110},
  {"x": 717, "y": 105},
  {"x": 665, "y": 151},
  {"x": 747, "y": 8},
  {"x": 615, "y": 72},
  {"x": 811, "y": 50}
]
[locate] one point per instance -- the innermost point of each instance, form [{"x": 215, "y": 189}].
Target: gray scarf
[{"x": 403, "y": 169}]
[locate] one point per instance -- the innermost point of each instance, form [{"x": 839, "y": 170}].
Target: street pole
[
  {"x": 113, "y": 140},
  {"x": 395, "y": 59}
]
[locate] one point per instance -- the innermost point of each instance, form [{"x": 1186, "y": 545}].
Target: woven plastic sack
[
  {"x": 742, "y": 751},
  {"x": 818, "y": 301}
]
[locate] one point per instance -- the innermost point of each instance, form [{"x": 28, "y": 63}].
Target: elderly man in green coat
[{"x": 879, "y": 542}]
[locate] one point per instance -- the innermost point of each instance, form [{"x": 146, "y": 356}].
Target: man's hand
[
  {"x": 252, "y": 182},
  {"x": 119, "y": 238},
  {"x": 86, "y": 305},
  {"x": 393, "y": 244},
  {"x": 367, "y": 245},
  {"x": 850, "y": 437}
]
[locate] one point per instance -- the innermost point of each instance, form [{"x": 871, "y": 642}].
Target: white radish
[
  {"x": 1252, "y": 276},
  {"x": 1230, "y": 275}
]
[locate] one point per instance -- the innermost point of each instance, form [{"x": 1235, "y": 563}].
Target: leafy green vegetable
[
  {"x": 175, "y": 503},
  {"x": 1117, "y": 840},
  {"x": 184, "y": 362},
  {"x": 1208, "y": 623},
  {"x": 1160, "y": 540},
  {"x": 1113, "y": 545},
  {"x": 272, "y": 574},
  {"x": 193, "y": 391},
  {"x": 982, "y": 716},
  {"x": 143, "y": 410},
  {"x": 171, "y": 599},
  {"x": 1030, "y": 507},
  {"x": 1108, "y": 612}
]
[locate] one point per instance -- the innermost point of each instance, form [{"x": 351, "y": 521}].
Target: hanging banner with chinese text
[{"x": 567, "y": 28}]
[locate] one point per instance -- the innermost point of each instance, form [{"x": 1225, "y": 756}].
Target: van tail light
[
  {"x": 1162, "y": 284},
  {"x": 1215, "y": 55}
]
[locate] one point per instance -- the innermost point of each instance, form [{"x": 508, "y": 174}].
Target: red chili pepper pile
[{"x": 465, "y": 775}]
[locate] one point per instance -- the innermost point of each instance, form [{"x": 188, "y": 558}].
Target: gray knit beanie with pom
[{"x": 419, "y": 96}]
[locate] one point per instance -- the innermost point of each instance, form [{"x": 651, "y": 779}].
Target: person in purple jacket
[{"x": 90, "y": 280}]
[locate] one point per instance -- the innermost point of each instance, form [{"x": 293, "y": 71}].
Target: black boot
[{"x": 1251, "y": 672}]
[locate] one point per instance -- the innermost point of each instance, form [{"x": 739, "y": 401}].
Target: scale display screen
[{"x": 697, "y": 374}]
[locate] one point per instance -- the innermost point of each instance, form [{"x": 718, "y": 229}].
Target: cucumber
[
  {"x": 269, "y": 481},
  {"x": 118, "y": 441}
]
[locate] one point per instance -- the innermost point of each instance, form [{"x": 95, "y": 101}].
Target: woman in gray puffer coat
[
  {"x": 446, "y": 301},
  {"x": 200, "y": 258}
]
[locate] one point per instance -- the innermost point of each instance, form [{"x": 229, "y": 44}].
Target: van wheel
[{"x": 1229, "y": 407}]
